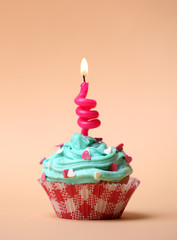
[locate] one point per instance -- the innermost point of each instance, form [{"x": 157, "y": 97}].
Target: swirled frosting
[{"x": 69, "y": 158}]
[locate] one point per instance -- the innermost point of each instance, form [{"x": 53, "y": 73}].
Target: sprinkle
[
  {"x": 43, "y": 177},
  {"x": 60, "y": 150},
  {"x": 108, "y": 150},
  {"x": 87, "y": 149},
  {"x": 49, "y": 164},
  {"x": 60, "y": 145},
  {"x": 97, "y": 175},
  {"x": 98, "y": 139},
  {"x": 113, "y": 167},
  {"x": 128, "y": 158},
  {"x": 85, "y": 155},
  {"x": 120, "y": 147},
  {"x": 41, "y": 161},
  {"x": 65, "y": 173},
  {"x": 71, "y": 173}
]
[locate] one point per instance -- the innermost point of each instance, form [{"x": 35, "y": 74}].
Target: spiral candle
[{"x": 87, "y": 118}]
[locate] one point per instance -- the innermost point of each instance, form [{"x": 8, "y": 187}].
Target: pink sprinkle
[
  {"x": 120, "y": 147},
  {"x": 85, "y": 155},
  {"x": 98, "y": 139},
  {"x": 113, "y": 167},
  {"x": 128, "y": 158},
  {"x": 43, "y": 177},
  {"x": 59, "y": 145},
  {"x": 42, "y": 160},
  {"x": 65, "y": 173}
]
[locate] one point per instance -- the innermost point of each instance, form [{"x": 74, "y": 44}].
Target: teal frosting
[{"x": 70, "y": 158}]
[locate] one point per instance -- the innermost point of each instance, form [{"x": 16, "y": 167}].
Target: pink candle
[{"x": 87, "y": 118}]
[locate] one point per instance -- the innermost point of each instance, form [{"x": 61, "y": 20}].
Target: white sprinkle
[
  {"x": 49, "y": 164},
  {"x": 87, "y": 149},
  {"x": 60, "y": 150},
  {"x": 71, "y": 173},
  {"x": 108, "y": 150},
  {"x": 97, "y": 175}
]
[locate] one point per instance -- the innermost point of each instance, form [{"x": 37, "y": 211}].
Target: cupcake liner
[{"x": 90, "y": 201}]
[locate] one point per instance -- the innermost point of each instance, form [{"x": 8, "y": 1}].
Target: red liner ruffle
[{"x": 90, "y": 201}]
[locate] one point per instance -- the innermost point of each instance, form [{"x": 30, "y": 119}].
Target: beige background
[{"x": 131, "y": 49}]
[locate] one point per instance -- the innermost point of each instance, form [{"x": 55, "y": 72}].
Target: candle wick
[{"x": 84, "y": 78}]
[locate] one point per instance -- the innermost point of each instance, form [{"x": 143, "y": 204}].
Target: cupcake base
[{"x": 90, "y": 201}]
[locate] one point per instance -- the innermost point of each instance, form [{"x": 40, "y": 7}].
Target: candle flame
[{"x": 84, "y": 67}]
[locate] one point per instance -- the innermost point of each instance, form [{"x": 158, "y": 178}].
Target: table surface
[{"x": 41, "y": 223}]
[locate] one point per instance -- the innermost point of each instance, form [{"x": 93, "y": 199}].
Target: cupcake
[{"x": 86, "y": 179}]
